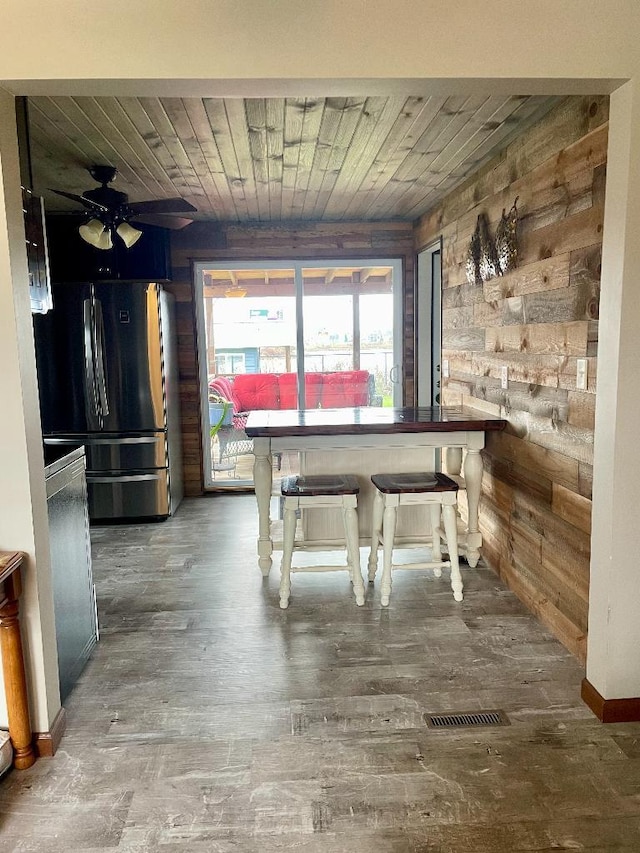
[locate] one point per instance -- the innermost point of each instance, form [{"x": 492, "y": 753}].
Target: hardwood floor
[{"x": 210, "y": 720}]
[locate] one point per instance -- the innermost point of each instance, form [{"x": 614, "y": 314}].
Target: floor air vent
[{"x": 466, "y": 719}]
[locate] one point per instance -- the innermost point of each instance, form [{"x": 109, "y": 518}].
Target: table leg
[
  {"x": 453, "y": 457},
  {"x": 262, "y": 479},
  {"x": 473, "y": 478}
]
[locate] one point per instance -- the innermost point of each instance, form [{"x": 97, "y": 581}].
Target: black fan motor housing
[{"x": 113, "y": 199}]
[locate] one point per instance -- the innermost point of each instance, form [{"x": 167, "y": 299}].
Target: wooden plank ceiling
[{"x": 275, "y": 159}]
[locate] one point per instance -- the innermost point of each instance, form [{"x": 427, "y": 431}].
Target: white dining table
[{"x": 458, "y": 431}]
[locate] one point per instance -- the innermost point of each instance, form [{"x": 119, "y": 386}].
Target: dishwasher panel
[{"x": 73, "y": 592}]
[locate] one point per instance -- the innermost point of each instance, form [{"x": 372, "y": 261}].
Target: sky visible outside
[{"x": 270, "y": 321}]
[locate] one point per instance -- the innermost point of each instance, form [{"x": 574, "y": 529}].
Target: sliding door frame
[
  {"x": 396, "y": 373},
  {"x": 429, "y": 325}
]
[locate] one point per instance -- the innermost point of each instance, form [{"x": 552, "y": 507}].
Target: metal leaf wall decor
[
  {"x": 506, "y": 239},
  {"x": 489, "y": 266},
  {"x": 473, "y": 257},
  {"x": 487, "y": 257}
]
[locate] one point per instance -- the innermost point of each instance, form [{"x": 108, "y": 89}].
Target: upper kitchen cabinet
[
  {"x": 34, "y": 223},
  {"x": 73, "y": 260},
  {"x": 37, "y": 256}
]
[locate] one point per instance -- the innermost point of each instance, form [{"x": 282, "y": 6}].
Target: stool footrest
[
  {"x": 315, "y": 568},
  {"x": 440, "y": 564}
]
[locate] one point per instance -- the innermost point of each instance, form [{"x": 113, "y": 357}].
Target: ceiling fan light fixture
[
  {"x": 96, "y": 234},
  {"x": 108, "y": 211},
  {"x": 105, "y": 242},
  {"x": 128, "y": 234}
]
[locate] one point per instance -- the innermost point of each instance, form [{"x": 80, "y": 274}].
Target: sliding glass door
[
  {"x": 302, "y": 335},
  {"x": 349, "y": 336}
]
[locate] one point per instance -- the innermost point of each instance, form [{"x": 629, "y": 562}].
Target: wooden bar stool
[
  {"x": 394, "y": 490},
  {"x": 321, "y": 492}
]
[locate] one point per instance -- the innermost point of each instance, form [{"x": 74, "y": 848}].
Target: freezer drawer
[
  {"x": 120, "y": 453},
  {"x": 126, "y": 454},
  {"x": 132, "y": 495}
]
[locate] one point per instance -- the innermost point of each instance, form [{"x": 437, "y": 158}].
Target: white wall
[
  {"x": 287, "y": 40},
  {"x": 23, "y": 510},
  {"x": 253, "y": 47},
  {"x": 614, "y": 601}
]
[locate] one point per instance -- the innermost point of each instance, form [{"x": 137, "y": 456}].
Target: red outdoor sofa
[
  {"x": 248, "y": 392},
  {"x": 336, "y": 390}
]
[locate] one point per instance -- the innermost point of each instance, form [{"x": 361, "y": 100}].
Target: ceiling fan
[{"x": 109, "y": 211}]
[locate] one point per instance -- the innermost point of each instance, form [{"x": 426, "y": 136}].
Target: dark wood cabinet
[{"x": 73, "y": 260}]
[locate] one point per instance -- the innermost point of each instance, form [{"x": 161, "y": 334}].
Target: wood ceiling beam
[{"x": 283, "y": 287}]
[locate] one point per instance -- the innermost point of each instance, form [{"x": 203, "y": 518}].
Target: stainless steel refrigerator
[{"x": 107, "y": 375}]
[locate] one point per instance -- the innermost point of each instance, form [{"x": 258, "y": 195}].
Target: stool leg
[
  {"x": 376, "y": 530},
  {"x": 352, "y": 539},
  {"x": 289, "y": 535},
  {"x": 436, "y": 550},
  {"x": 388, "y": 535},
  {"x": 451, "y": 532}
]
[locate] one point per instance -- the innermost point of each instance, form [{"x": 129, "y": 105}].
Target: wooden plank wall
[
  {"x": 537, "y": 320},
  {"x": 208, "y": 241}
]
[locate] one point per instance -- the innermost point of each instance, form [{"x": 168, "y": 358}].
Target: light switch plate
[
  {"x": 445, "y": 366},
  {"x": 581, "y": 374},
  {"x": 504, "y": 376}
]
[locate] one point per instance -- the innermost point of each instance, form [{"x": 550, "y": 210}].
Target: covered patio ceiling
[{"x": 281, "y": 282}]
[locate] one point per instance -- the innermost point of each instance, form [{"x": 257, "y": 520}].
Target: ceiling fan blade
[
  {"x": 164, "y": 221},
  {"x": 162, "y": 205},
  {"x": 87, "y": 202}
]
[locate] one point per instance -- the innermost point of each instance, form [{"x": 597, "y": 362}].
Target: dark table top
[{"x": 368, "y": 420}]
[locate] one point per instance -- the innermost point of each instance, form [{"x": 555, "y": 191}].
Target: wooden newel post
[{"x": 15, "y": 682}]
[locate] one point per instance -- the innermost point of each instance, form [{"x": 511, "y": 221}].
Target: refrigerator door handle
[
  {"x": 123, "y": 478},
  {"x": 93, "y": 413},
  {"x": 100, "y": 358},
  {"x": 83, "y": 439}
]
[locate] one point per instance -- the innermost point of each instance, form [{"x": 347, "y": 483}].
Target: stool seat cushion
[
  {"x": 316, "y": 485},
  {"x": 413, "y": 483}
]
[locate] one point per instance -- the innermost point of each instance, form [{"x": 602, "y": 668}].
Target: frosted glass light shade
[
  {"x": 128, "y": 234},
  {"x": 105, "y": 241},
  {"x": 95, "y": 233}
]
